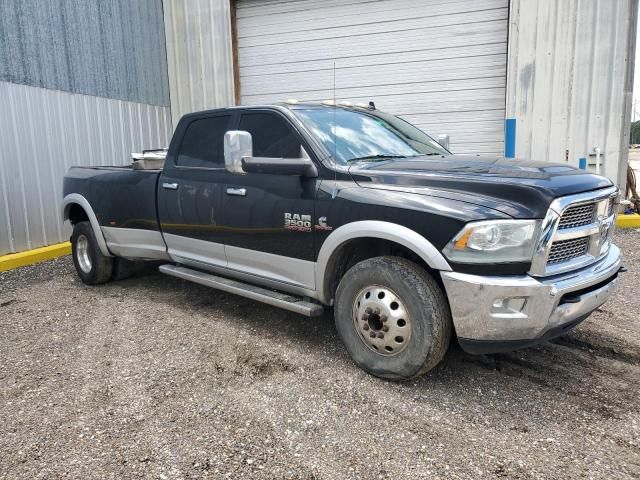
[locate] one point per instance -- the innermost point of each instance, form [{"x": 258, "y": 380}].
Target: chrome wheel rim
[
  {"x": 82, "y": 254},
  {"x": 381, "y": 320}
]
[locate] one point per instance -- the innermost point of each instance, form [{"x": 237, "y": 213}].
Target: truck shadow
[{"x": 571, "y": 367}]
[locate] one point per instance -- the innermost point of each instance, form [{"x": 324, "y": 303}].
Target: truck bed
[{"x": 121, "y": 196}]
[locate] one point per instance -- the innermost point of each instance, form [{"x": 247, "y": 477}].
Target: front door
[
  {"x": 268, "y": 219},
  {"x": 189, "y": 196}
]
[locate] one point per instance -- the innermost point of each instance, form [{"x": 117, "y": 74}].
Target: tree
[{"x": 634, "y": 138}]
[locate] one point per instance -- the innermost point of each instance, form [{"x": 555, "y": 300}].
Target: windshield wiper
[{"x": 377, "y": 157}]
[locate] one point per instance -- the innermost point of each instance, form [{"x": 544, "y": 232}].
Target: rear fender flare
[
  {"x": 76, "y": 198},
  {"x": 375, "y": 229}
]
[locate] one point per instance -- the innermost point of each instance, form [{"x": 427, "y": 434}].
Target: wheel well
[
  {"x": 359, "y": 249},
  {"x": 76, "y": 214}
]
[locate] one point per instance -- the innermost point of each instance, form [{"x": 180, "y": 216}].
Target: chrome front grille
[
  {"x": 565, "y": 250},
  {"x": 577, "y": 216},
  {"x": 575, "y": 232}
]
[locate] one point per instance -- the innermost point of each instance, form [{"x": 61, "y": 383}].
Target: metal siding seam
[
  {"x": 50, "y": 161},
  {"x": 607, "y": 123},
  {"x": 157, "y": 138},
  {"x": 112, "y": 145},
  {"x": 140, "y": 127},
  {"x": 18, "y": 151},
  {"x": 187, "y": 57},
  {"x": 628, "y": 93},
  {"x": 550, "y": 98},
  {"x": 151, "y": 140},
  {"x": 573, "y": 151},
  {"x": 61, "y": 127},
  {"x": 84, "y": 128},
  {"x": 200, "y": 37},
  {"x": 593, "y": 45},
  {"x": 121, "y": 142},
  {"x": 4, "y": 131},
  {"x": 75, "y": 111},
  {"x": 34, "y": 159},
  {"x": 100, "y": 135},
  {"x": 130, "y": 124}
]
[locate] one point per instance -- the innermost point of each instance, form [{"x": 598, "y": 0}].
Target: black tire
[
  {"x": 92, "y": 266},
  {"x": 421, "y": 300}
]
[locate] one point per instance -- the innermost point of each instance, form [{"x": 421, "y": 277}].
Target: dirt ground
[{"x": 153, "y": 377}]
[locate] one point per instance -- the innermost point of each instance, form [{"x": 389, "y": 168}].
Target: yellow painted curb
[
  {"x": 628, "y": 221},
  {"x": 15, "y": 260}
]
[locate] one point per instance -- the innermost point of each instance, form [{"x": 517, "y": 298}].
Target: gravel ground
[{"x": 154, "y": 377}]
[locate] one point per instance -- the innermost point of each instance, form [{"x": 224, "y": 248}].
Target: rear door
[{"x": 189, "y": 193}]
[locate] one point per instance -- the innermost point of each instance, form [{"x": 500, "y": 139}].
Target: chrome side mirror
[
  {"x": 237, "y": 145},
  {"x": 443, "y": 139}
]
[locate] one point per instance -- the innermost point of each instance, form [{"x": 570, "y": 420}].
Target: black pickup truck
[{"x": 307, "y": 206}]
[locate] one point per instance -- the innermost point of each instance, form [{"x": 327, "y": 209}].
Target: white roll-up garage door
[{"x": 439, "y": 64}]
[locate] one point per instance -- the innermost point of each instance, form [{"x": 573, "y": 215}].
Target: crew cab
[{"x": 310, "y": 206}]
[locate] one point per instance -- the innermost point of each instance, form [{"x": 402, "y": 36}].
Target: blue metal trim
[{"x": 510, "y": 138}]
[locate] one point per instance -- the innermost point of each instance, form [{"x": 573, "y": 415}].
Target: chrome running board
[{"x": 270, "y": 297}]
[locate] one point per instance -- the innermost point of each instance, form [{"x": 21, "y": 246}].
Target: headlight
[{"x": 494, "y": 241}]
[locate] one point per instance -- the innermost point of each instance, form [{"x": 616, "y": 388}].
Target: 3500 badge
[{"x": 296, "y": 222}]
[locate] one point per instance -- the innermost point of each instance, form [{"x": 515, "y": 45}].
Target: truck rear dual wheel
[
  {"x": 392, "y": 317},
  {"x": 92, "y": 266}
]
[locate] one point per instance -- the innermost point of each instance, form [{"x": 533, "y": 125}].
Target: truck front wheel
[
  {"x": 92, "y": 266},
  {"x": 392, "y": 317}
]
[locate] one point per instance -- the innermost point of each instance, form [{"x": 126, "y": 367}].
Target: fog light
[{"x": 508, "y": 305}]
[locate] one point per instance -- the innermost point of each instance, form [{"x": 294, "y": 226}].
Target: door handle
[
  {"x": 170, "y": 186},
  {"x": 239, "y": 192}
]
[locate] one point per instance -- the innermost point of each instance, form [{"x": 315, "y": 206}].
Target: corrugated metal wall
[
  {"x": 440, "y": 64},
  {"x": 42, "y": 133},
  {"x": 199, "y": 55},
  {"x": 569, "y": 80},
  {"x": 113, "y": 49},
  {"x": 103, "y": 68}
]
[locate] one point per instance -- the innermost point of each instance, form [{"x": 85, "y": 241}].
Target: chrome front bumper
[{"x": 503, "y": 313}]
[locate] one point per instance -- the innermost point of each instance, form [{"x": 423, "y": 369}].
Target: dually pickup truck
[{"x": 307, "y": 206}]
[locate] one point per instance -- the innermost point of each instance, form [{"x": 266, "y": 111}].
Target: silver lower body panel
[{"x": 135, "y": 243}]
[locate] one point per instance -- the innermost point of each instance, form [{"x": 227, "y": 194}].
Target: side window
[
  {"x": 203, "y": 143},
  {"x": 272, "y": 136}
]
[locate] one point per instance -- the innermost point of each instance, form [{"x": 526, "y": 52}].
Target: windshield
[{"x": 367, "y": 135}]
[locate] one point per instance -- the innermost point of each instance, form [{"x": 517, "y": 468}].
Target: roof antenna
[{"x": 335, "y": 145}]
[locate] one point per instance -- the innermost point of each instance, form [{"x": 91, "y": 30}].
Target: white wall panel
[
  {"x": 569, "y": 80},
  {"x": 199, "y": 56},
  {"x": 42, "y": 133},
  {"x": 441, "y": 64}
]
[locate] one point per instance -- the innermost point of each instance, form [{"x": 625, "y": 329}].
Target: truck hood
[{"x": 519, "y": 188}]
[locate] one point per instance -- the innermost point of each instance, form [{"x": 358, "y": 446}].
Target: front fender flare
[
  {"x": 76, "y": 198},
  {"x": 375, "y": 229}
]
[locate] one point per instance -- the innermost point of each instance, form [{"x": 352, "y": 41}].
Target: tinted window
[
  {"x": 203, "y": 143},
  {"x": 272, "y": 136}
]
